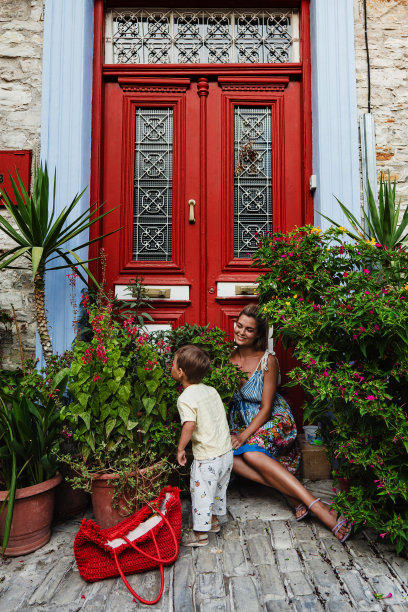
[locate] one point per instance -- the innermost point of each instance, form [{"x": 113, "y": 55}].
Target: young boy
[{"x": 204, "y": 422}]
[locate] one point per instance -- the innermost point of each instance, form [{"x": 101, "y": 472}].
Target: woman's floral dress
[{"x": 277, "y": 438}]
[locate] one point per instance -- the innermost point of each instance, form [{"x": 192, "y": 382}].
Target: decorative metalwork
[
  {"x": 152, "y": 225},
  {"x": 201, "y": 37},
  {"x": 253, "y": 177}
]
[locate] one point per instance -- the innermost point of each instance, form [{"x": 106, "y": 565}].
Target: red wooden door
[{"x": 226, "y": 149}]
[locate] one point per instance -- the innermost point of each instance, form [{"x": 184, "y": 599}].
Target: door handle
[{"x": 191, "y": 218}]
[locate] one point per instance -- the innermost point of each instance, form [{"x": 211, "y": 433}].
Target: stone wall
[
  {"x": 387, "y": 31},
  {"x": 21, "y": 40}
]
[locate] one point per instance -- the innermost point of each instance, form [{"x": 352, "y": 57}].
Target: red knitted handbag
[{"x": 145, "y": 540}]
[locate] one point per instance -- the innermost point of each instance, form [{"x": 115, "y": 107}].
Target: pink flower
[
  {"x": 377, "y": 327},
  {"x": 341, "y": 250},
  {"x": 367, "y": 292},
  {"x": 366, "y": 271},
  {"x": 283, "y": 256},
  {"x": 371, "y": 311},
  {"x": 345, "y": 274},
  {"x": 382, "y": 535},
  {"x": 313, "y": 361},
  {"x": 325, "y": 373},
  {"x": 362, "y": 329},
  {"x": 370, "y": 397}
]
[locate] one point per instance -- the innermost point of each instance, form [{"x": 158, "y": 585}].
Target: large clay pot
[
  {"x": 32, "y": 517},
  {"x": 69, "y": 502},
  {"x": 103, "y": 489}
]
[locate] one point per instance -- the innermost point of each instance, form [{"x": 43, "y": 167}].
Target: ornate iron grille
[
  {"x": 180, "y": 37},
  {"x": 152, "y": 225},
  {"x": 253, "y": 177}
]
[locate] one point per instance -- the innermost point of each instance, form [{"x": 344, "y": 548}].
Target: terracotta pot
[
  {"x": 69, "y": 502},
  {"x": 32, "y": 517},
  {"x": 103, "y": 489}
]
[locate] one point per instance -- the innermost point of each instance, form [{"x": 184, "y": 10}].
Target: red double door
[{"x": 198, "y": 165}]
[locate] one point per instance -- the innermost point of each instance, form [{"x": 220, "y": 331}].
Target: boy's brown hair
[{"x": 193, "y": 361}]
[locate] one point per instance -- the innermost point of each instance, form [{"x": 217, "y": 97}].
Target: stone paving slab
[{"x": 262, "y": 560}]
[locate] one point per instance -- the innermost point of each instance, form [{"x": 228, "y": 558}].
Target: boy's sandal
[
  {"x": 215, "y": 526},
  {"x": 191, "y": 539}
]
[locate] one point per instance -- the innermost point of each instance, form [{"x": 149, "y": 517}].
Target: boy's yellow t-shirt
[{"x": 203, "y": 405}]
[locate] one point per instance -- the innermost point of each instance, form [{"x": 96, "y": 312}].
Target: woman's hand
[{"x": 237, "y": 441}]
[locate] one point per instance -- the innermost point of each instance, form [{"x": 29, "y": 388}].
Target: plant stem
[{"x": 39, "y": 296}]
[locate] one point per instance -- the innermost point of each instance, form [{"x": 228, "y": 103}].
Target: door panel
[{"x": 231, "y": 144}]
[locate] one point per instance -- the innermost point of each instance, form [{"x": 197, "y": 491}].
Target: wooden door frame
[{"x": 101, "y": 72}]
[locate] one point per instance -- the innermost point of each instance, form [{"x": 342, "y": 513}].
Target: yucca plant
[
  {"x": 382, "y": 225},
  {"x": 41, "y": 236}
]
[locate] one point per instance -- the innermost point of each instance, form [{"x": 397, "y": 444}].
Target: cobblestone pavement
[{"x": 261, "y": 560}]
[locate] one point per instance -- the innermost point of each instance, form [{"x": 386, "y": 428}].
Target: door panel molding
[
  {"x": 233, "y": 96},
  {"x": 154, "y": 93}
]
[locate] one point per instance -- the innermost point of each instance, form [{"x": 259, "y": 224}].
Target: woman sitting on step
[{"x": 263, "y": 431}]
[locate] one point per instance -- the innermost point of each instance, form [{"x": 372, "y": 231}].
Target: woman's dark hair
[
  {"x": 194, "y": 361},
  {"x": 262, "y": 327}
]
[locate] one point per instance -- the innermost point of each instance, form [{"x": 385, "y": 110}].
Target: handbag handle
[
  {"x": 122, "y": 575},
  {"x": 159, "y": 560}
]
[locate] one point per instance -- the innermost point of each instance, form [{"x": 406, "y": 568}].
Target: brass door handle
[{"x": 191, "y": 218}]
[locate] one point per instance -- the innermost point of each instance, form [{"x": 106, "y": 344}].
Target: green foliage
[
  {"x": 29, "y": 430},
  {"x": 40, "y": 235},
  {"x": 223, "y": 375},
  {"x": 382, "y": 222},
  {"x": 139, "y": 476},
  {"x": 122, "y": 402},
  {"x": 343, "y": 309},
  {"x": 134, "y": 307}
]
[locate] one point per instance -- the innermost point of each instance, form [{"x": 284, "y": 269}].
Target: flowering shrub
[
  {"x": 343, "y": 309},
  {"x": 118, "y": 387}
]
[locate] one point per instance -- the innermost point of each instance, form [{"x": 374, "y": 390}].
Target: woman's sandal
[
  {"x": 301, "y": 506},
  {"x": 192, "y": 539},
  {"x": 215, "y": 526},
  {"x": 338, "y": 526},
  {"x": 340, "y": 522}
]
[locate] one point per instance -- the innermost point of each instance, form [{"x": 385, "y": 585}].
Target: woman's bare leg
[
  {"x": 242, "y": 468},
  {"x": 279, "y": 478}
]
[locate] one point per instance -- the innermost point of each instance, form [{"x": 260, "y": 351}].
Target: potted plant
[
  {"x": 121, "y": 416},
  {"x": 342, "y": 306},
  {"x": 29, "y": 432}
]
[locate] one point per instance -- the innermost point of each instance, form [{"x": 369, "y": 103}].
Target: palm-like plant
[
  {"x": 41, "y": 236},
  {"x": 382, "y": 221}
]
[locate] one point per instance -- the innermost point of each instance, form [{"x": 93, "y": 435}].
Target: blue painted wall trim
[
  {"x": 66, "y": 134},
  {"x": 334, "y": 109}
]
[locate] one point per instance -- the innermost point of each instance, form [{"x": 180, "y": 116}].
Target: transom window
[{"x": 201, "y": 37}]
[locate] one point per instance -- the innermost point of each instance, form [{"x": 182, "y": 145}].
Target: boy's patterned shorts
[{"x": 208, "y": 485}]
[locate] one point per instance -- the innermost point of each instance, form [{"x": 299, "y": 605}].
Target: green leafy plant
[
  {"x": 41, "y": 236},
  {"x": 383, "y": 224},
  {"x": 342, "y": 307},
  {"x": 223, "y": 375},
  {"x": 122, "y": 406},
  {"x": 29, "y": 433}
]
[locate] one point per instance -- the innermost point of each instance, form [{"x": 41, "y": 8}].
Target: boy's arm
[{"x": 185, "y": 438}]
